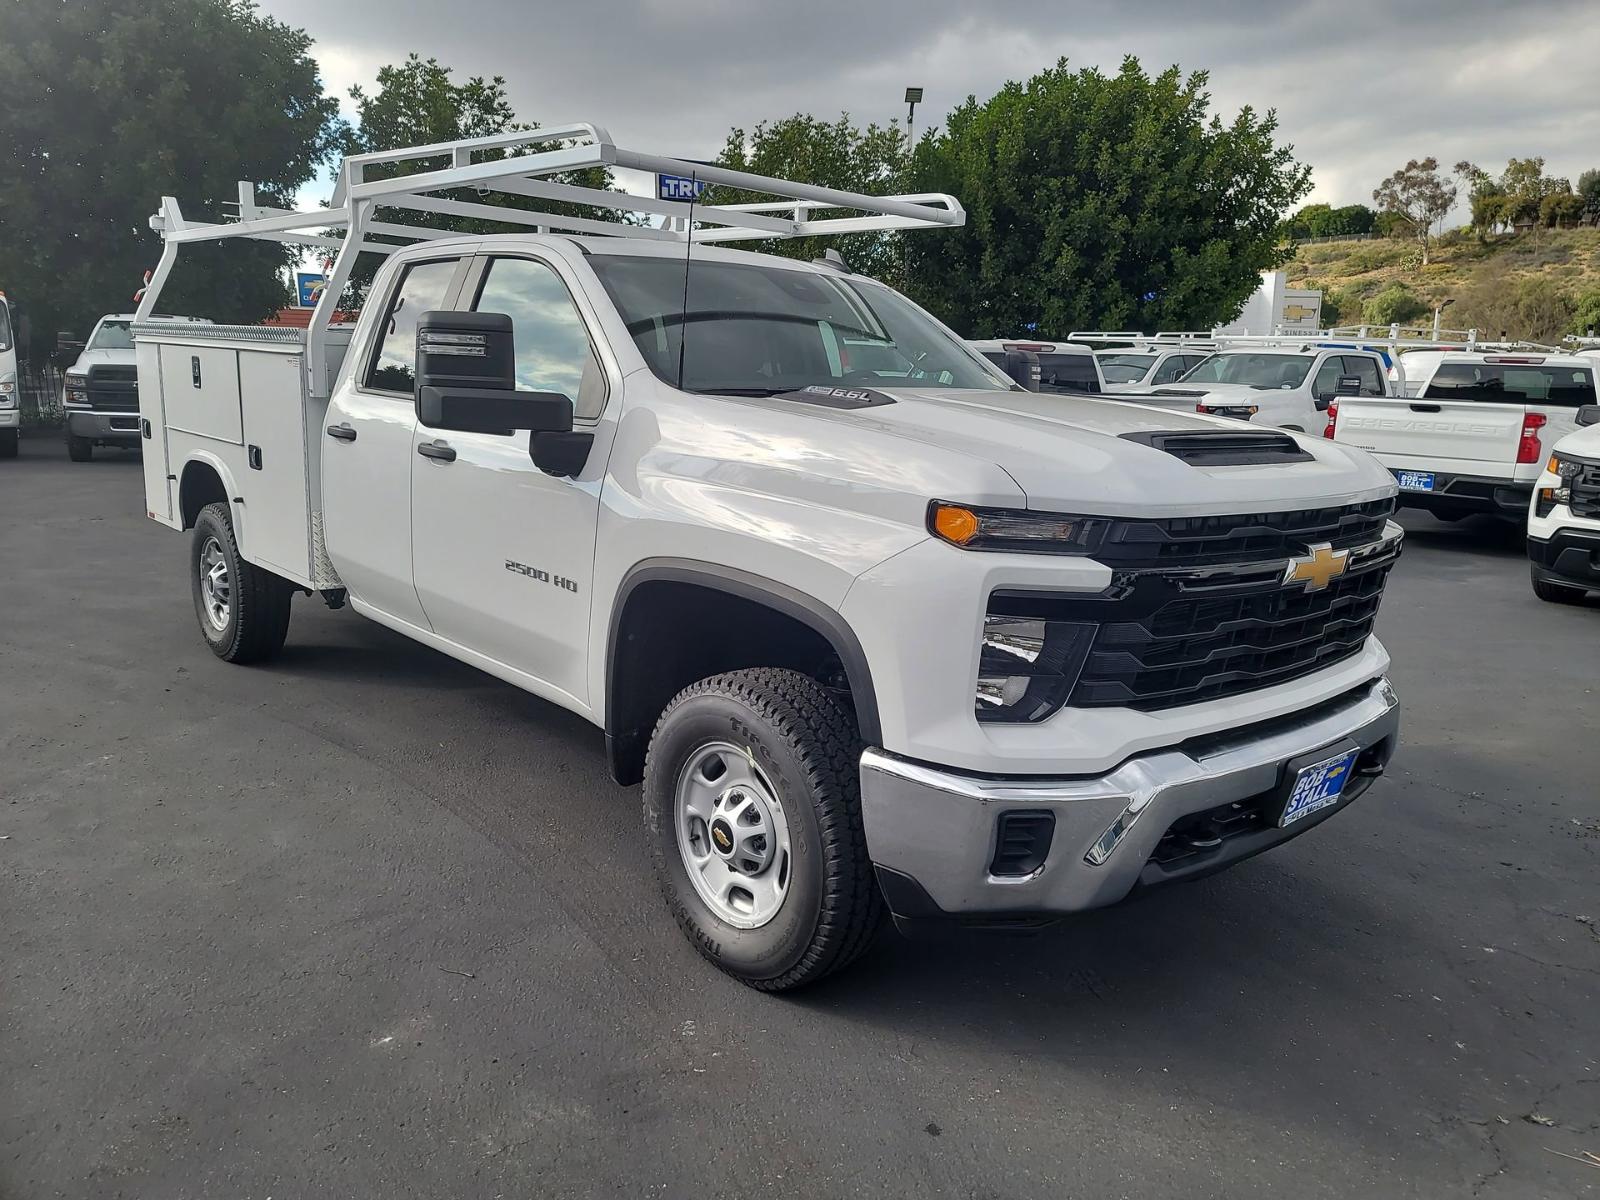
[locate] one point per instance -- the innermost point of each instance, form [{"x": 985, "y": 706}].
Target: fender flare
[
  {"x": 220, "y": 468},
  {"x": 807, "y": 610}
]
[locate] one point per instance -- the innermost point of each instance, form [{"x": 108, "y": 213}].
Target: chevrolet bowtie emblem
[{"x": 1317, "y": 568}]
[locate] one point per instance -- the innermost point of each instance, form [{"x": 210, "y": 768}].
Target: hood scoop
[{"x": 1223, "y": 447}]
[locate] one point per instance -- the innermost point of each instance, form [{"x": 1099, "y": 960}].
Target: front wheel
[
  {"x": 79, "y": 449},
  {"x": 8, "y": 443},
  {"x": 752, "y": 804},
  {"x": 243, "y": 610}
]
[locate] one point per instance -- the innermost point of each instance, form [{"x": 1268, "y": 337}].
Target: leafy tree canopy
[
  {"x": 1420, "y": 195},
  {"x": 1100, "y": 200},
  {"x": 108, "y": 107}
]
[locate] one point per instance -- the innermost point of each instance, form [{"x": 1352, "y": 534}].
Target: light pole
[
  {"x": 1437, "y": 310},
  {"x": 913, "y": 98}
]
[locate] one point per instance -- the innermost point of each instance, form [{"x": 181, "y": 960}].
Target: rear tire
[
  {"x": 8, "y": 443},
  {"x": 789, "y": 754},
  {"x": 243, "y": 610},
  {"x": 80, "y": 449},
  {"x": 1557, "y": 593}
]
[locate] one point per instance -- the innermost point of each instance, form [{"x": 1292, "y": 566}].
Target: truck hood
[
  {"x": 1584, "y": 443},
  {"x": 1069, "y": 454},
  {"x": 91, "y": 358}
]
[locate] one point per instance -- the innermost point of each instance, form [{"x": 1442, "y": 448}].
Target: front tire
[
  {"x": 243, "y": 610},
  {"x": 8, "y": 443},
  {"x": 1557, "y": 593},
  {"x": 752, "y": 806},
  {"x": 80, "y": 449}
]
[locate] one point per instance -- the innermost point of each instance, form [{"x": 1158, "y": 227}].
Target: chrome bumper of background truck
[
  {"x": 935, "y": 834},
  {"x": 103, "y": 426}
]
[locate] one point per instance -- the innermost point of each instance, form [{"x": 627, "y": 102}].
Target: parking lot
[{"x": 367, "y": 922}]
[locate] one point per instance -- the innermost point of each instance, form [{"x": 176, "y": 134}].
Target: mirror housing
[
  {"x": 1589, "y": 414},
  {"x": 466, "y": 378}
]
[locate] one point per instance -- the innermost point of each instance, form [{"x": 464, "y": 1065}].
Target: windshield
[
  {"x": 1256, "y": 370},
  {"x": 760, "y": 330},
  {"x": 5, "y": 326},
  {"x": 1124, "y": 368},
  {"x": 112, "y": 335}
]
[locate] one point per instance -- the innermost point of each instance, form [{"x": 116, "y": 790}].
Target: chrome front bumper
[
  {"x": 103, "y": 426},
  {"x": 932, "y": 833}
]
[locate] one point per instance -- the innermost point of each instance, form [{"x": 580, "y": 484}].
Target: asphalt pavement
[{"x": 368, "y": 923}]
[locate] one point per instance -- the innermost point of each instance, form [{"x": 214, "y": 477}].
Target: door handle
[
  {"x": 438, "y": 451},
  {"x": 1426, "y": 408},
  {"x": 144, "y": 428},
  {"x": 342, "y": 432}
]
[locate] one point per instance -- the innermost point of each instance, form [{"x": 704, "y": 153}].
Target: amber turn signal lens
[{"x": 954, "y": 524}]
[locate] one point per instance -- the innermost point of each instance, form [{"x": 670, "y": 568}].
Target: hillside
[{"x": 1536, "y": 285}]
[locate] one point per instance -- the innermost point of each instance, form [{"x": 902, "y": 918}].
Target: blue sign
[
  {"x": 679, "y": 187},
  {"x": 308, "y": 287}
]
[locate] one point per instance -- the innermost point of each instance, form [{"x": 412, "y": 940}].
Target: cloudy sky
[{"x": 1357, "y": 93}]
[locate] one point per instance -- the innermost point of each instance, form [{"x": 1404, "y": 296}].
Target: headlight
[
  {"x": 76, "y": 390},
  {"x": 1028, "y": 663},
  {"x": 1008, "y": 529},
  {"x": 8, "y": 393},
  {"x": 1563, "y": 467}
]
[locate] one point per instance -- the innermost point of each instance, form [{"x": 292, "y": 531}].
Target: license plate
[
  {"x": 1414, "y": 481},
  {"x": 1318, "y": 786}
]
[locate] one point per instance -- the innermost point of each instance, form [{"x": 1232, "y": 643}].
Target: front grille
[
  {"x": 1242, "y": 538},
  {"x": 1585, "y": 486},
  {"x": 113, "y": 387},
  {"x": 1190, "y": 650}
]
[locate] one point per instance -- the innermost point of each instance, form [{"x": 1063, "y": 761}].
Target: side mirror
[
  {"x": 67, "y": 349},
  {"x": 1589, "y": 414},
  {"x": 1022, "y": 367},
  {"x": 466, "y": 378}
]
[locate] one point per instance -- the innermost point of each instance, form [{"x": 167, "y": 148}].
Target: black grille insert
[
  {"x": 113, "y": 387},
  {"x": 1585, "y": 487},
  {"x": 1022, "y": 842},
  {"x": 1242, "y": 537}
]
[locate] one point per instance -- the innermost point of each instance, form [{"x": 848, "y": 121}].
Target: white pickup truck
[
  {"x": 1475, "y": 429},
  {"x": 1564, "y": 518},
  {"x": 888, "y": 638}
]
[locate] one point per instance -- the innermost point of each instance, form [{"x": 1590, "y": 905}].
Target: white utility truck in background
[
  {"x": 884, "y": 637},
  {"x": 1056, "y": 367},
  {"x": 10, "y": 381},
  {"x": 1473, "y": 431},
  {"x": 100, "y": 392},
  {"x": 1564, "y": 518}
]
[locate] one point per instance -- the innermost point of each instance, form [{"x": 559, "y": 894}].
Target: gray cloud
[{"x": 1357, "y": 93}]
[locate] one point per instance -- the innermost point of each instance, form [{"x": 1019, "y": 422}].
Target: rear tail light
[
  {"x": 1528, "y": 449},
  {"x": 1333, "y": 419}
]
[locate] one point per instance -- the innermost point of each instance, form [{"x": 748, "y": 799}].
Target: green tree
[
  {"x": 1420, "y": 195},
  {"x": 1098, "y": 201},
  {"x": 834, "y": 154},
  {"x": 1560, "y": 209},
  {"x": 418, "y": 103},
  {"x": 1589, "y": 188},
  {"x": 1325, "y": 221},
  {"x": 1532, "y": 307},
  {"x": 1586, "y": 314},
  {"x": 109, "y": 106},
  {"x": 1394, "y": 304}
]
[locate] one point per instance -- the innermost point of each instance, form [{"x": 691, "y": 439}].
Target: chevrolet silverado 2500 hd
[
  {"x": 877, "y": 633},
  {"x": 1564, "y": 518}
]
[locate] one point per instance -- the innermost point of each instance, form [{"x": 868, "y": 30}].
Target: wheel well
[
  {"x": 201, "y": 485},
  {"x": 670, "y": 632}
]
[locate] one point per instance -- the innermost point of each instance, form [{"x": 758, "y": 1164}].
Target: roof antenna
[{"x": 688, "y": 247}]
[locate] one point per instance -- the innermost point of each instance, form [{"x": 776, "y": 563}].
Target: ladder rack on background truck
[{"x": 519, "y": 165}]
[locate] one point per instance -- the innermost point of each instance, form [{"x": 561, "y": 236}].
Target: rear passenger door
[
  {"x": 366, "y": 443},
  {"x": 503, "y": 553}
]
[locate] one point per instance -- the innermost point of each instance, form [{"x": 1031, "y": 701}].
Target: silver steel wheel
[
  {"x": 216, "y": 585},
  {"x": 732, "y": 835}
]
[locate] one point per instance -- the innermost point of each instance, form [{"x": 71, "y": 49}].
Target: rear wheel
[
  {"x": 752, "y": 804},
  {"x": 8, "y": 443},
  {"x": 1557, "y": 593},
  {"x": 79, "y": 449},
  {"x": 243, "y": 610}
]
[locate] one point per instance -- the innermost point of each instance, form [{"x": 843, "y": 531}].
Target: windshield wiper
[{"x": 743, "y": 391}]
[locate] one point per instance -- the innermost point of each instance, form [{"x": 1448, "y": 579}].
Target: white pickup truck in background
[
  {"x": 877, "y": 632},
  {"x": 10, "y": 382},
  {"x": 100, "y": 392},
  {"x": 1473, "y": 434},
  {"x": 1564, "y": 518}
]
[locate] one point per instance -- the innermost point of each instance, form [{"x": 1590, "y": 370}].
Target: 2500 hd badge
[{"x": 543, "y": 576}]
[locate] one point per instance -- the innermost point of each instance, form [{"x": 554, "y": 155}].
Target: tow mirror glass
[
  {"x": 1589, "y": 414},
  {"x": 466, "y": 378}
]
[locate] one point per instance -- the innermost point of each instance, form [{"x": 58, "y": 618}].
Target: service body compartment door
[
  {"x": 200, "y": 391},
  {"x": 153, "y": 436},
  {"x": 275, "y": 521}
]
